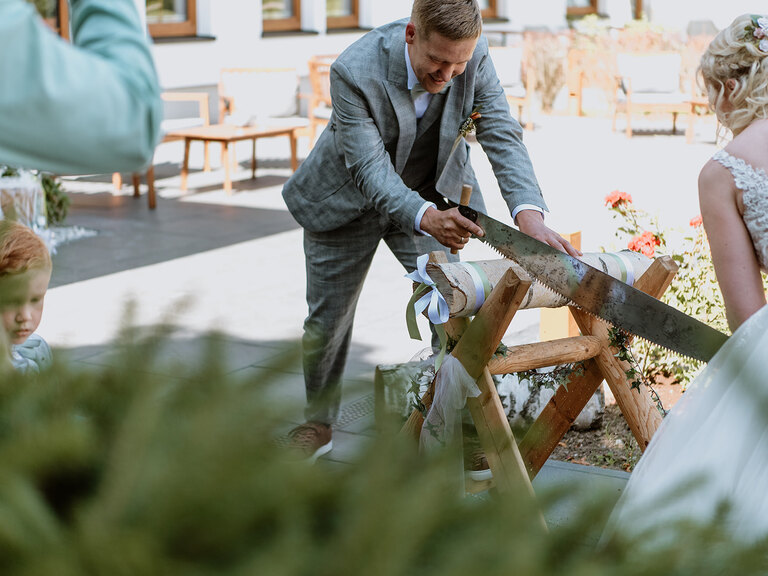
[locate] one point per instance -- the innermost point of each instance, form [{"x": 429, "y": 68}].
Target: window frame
[
  {"x": 350, "y": 21},
  {"x": 491, "y": 11},
  {"x": 283, "y": 24},
  {"x": 175, "y": 29},
  {"x": 582, "y": 10}
]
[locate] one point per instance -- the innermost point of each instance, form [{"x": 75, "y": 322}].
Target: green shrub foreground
[{"x": 116, "y": 471}]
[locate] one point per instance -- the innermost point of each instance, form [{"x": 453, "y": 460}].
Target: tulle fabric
[
  {"x": 442, "y": 424},
  {"x": 711, "y": 448}
]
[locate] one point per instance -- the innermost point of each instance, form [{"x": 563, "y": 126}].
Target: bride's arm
[{"x": 733, "y": 254}]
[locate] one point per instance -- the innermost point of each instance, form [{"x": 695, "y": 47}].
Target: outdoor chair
[
  {"x": 259, "y": 96},
  {"x": 319, "y": 109},
  {"x": 649, "y": 83},
  {"x": 517, "y": 79},
  {"x": 181, "y": 110}
]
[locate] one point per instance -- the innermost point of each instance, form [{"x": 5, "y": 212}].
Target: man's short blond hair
[{"x": 454, "y": 19}]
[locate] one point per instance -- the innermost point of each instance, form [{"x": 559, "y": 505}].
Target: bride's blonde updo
[{"x": 735, "y": 53}]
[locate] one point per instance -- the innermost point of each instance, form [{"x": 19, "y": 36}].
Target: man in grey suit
[{"x": 382, "y": 168}]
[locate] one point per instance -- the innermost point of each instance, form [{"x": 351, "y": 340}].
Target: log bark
[
  {"x": 542, "y": 354},
  {"x": 457, "y": 281}
]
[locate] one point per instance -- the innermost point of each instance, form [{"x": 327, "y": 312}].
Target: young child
[{"x": 25, "y": 270}]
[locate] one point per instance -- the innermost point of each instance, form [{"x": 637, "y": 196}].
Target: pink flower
[
  {"x": 696, "y": 221},
  {"x": 645, "y": 243},
  {"x": 617, "y": 198}
]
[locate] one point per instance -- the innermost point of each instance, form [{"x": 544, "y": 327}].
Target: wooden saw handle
[{"x": 466, "y": 194}]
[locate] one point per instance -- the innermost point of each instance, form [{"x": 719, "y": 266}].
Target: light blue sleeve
[
  {"x": 92, "y": 106},
  {"x": 32, "y": 356}
]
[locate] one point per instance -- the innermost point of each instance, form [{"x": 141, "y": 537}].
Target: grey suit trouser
[{"x": 337, "y": 263}]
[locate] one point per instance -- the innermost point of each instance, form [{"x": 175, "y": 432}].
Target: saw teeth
[{"x": 574, "y": 305}]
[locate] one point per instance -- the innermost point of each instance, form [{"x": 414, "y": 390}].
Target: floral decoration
[
  {"x": 468, "y": 126},
  {"x": 645, "y": 243},
  {"x": 696, "y": 221},
  {"x": 616, "y": 198},
  {"x": 757, "y": 32}
]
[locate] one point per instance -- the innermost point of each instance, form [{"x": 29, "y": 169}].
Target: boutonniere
[{"x": 467, "y": 127}]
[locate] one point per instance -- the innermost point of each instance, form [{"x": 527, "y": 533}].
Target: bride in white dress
[{"x": 716, "y": 436}]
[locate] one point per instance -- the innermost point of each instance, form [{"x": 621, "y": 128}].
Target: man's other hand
[{"x": 531, "y": 222}]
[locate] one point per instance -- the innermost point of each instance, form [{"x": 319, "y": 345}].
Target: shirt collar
[{"x": 412, "y": 80}]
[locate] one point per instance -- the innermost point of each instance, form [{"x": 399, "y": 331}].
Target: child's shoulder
[{"x": 33, "y": 355}]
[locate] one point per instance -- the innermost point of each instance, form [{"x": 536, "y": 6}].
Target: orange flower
[
  {"x": 645, "y": 243},
  {"x": 617, "y": 197},
  {"x": 696, "y": 221}
]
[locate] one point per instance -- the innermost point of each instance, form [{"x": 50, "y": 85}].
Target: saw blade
[{"x": 600, "y": 294}]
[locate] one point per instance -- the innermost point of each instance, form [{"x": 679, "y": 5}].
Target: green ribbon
[
  {"x": 421, "y": 292},
  {"x": 427, "y": 297}
]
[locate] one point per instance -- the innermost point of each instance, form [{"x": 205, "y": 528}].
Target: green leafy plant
[
  {"x": 56, "y": 199},
  {"x": 694, "y": 289},
  {"x": 119, "y": 470}
]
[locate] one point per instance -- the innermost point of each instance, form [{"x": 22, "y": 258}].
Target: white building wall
[
  {"x": 537, "y": 14},
  {"x": 235, "y": 31}
]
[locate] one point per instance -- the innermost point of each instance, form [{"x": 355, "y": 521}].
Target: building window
[
  {"x": 342, "y": 13},
  {"x": 488, "y": 8},
  {"x": 281, "y": 15},
  {"x": 582, "y": 7},
  {"x": 171, "y": 18}
]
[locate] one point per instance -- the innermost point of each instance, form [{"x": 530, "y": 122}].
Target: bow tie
[{"x": 419, "y": 90}]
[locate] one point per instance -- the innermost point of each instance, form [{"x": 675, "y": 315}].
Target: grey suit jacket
[{"x": 357, "y": 161}]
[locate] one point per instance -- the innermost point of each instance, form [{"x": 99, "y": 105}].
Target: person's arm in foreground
[{"x": 89, "y": 107}]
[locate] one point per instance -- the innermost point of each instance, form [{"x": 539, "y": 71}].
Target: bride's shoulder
[{"x": 715, "y": 172}]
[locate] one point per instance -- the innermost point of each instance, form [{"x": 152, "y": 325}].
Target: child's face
[{"x": 21, "y": 302}]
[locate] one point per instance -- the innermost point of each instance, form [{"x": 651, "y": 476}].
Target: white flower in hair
[{"x": 757, "y": 32}]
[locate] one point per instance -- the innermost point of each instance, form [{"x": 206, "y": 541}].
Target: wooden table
[{"x": 226, "y": 134}]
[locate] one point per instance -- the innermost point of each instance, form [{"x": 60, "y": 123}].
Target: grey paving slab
[
  {"x": 130, "y": 236},
  {"x": 347, "y": 446}
]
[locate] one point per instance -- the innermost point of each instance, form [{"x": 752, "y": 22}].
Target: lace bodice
[{"x": 754, "y": 185}]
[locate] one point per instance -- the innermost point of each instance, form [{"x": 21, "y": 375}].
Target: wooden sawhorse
[{"x": 514, "y": 465}]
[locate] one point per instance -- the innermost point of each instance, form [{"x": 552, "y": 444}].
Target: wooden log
[
  {"x": 483, "y": 335},
  {"x": 475, "y": 348},
  {"x": 496, "y": 438},
  {"x": 465, "y": 284},
  {"x": 558, "y": 416},
  {"x": 567, "y": 403},
  {"x": 638, "y": 408},
  {"x": 542, "y": 354},
  {"x": 454, "y": 328}
]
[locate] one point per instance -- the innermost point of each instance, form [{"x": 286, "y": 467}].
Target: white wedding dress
[{"x": 716, "y": 436}]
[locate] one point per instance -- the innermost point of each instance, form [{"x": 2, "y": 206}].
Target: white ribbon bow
[{"x": 438, "y": 311}]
